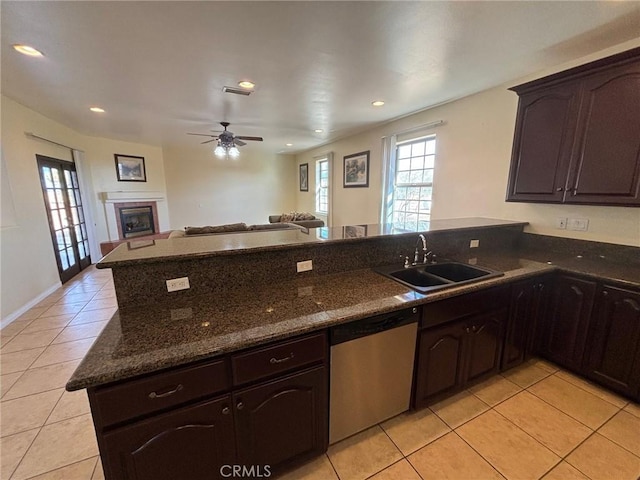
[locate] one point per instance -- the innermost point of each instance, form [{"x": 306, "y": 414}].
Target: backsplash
[{"x": 143, "y": 284}]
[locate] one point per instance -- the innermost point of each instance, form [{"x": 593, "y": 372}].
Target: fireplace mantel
[{"x": 119, "y": 197}]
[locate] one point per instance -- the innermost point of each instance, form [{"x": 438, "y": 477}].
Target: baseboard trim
[{"x": 32, "y": 303}]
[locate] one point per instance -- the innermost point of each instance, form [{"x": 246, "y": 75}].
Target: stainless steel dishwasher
[{"x": 371, "y": 371}]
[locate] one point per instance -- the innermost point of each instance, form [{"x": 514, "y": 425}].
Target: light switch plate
[
  {"x": 304, "y": 266},
  {"x": 578, "y": 224},
  {"x": 175, "y": 284}
]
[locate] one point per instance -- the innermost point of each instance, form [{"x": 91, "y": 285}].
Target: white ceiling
[{"x": 158, "y": 68}]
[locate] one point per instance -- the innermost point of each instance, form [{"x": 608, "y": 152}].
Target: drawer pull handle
[
  {"x": 275, "y": 361},
  {"x": 226, "y": 411},
  {"x": 240, "y": 405},
  {"x": 166, "y": 394}
]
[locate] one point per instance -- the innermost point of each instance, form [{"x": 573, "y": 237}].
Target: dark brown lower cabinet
[
  {"x": 192, "y": 442},
  {"x": 456, "y": 354},
  {"x": 527, "y": 312},
  {"x": 282, "y": 421},
  {"x": 564, "y": 334},
  {"x": 613, "y": 358}
]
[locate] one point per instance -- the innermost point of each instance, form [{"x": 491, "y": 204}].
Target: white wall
[
  {"x": 100, "y": 154},
  {"x": 205, "y": 190},
  {"x": 28, "y": 267},
  {"x": 472, "y": 165}
]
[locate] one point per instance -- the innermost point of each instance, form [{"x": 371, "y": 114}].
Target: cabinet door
[
  {"x": 519, "y": 323},
  {"x": 545, "y": 128},
  {"x": 192, "y": 442},
  {"x": 440, "y": 363},
  {"x": 484, "y": 350},
  {"x": 566, "y": 328},
  {"x": 614, "y": 356},
  {"x": 606, "y": 162},
  {"x": 283, "y": 420}
]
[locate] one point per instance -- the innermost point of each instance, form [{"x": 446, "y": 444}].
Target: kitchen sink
[{"x": 437, "y": 276}]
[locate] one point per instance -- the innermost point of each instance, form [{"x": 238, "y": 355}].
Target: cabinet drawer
[
  {"x": 157, "y": 392},
  {"x": 279, "y": 358},
  {"x": 455, "y": 308}
]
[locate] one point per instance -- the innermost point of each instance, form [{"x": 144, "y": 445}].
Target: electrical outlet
[
  {"x": 474, "y": 243},
  {"x": 175, "y": 284},
  {"x": 578, "y": 224},
  {"x": 561, "y": 223},
  {"x": 304, "y": 266}
]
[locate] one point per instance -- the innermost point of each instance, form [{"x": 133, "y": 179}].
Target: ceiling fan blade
[
  {"x": 202, "y": 134},
  {"x": 238, "y": 142},
  {"x": 256, "y": 139},
  {"x": 208, "y": 141}
]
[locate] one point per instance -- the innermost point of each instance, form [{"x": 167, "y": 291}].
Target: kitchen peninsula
[{"x": 250, "y": 328}]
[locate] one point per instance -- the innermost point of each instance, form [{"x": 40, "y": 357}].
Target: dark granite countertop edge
[{"x": 183, "y": 355}]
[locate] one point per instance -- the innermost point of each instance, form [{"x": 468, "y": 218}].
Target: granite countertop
[
  {"x": 136, "y": 252},
  {"x": 137, "y": 342}
]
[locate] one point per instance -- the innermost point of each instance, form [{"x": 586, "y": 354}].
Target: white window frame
[
  {"x": 392, "y": 187},
  {"x": 322, "y": 193}
]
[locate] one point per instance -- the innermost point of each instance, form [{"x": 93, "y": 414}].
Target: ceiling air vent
[{"x": 237, "y": 91}]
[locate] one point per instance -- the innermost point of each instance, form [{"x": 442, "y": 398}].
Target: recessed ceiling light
[
  {"x": 377, "y": 103},
  {"x": 289, "y": 144},
  {"x": 27, "y": 50},
  {"x": 246, "y": 84},
  {"x": 97, "y": 109},
  {"x": 318, "y": 130}
]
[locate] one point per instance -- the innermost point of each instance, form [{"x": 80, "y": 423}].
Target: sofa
[
  {"x": 305, "y": 220},
  {"x": 232, "y": 228}
]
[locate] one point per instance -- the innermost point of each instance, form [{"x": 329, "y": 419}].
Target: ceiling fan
[{"x": 227, "y": 139}]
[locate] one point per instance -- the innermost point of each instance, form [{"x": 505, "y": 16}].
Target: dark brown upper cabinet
[{"x": 577, "y": 135}]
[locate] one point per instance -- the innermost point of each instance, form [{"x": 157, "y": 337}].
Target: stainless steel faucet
[{"x": 416, "y": 254}]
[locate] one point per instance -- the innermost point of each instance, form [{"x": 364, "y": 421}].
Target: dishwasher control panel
[{"x": 372, "y": 325}]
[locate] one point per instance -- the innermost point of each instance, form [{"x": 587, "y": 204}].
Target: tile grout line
[
  {"x": 595, "y": 386},
  {"x": 25, "y": 453},
  {"x": 479, "y": 454}
]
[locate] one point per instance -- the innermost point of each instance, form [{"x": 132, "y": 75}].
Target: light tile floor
[{"x": 535, "y": 421}]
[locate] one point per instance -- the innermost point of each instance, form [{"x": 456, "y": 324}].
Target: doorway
[{"x": 63, "y": 202}]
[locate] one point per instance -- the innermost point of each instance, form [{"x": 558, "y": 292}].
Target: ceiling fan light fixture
[
  {"x": 246, "y": 84},
  {"x": 234, "y": 152},
  {"x": 219, "y": 151}
]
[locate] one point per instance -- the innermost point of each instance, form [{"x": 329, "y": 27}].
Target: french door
[{"x": 61, "y": 192}]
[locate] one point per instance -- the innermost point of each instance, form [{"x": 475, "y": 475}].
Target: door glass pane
[
  {"x": 78, "y": 233},
  {"x": 56, "y": 178},
  {"x": 81, "y": 214},
  {"x": 67, "y": 237},
  {"x": 64, "y": 260},
  {"x": 48, "y": 179},
  {"x": 60, "y": 240},
  {"x": 53, "y": 202},
  {"x": 72, "y": 256},
  {"x": 67, "y": 178},
  {"x": 77, "y": 195},
  {"x": 74, "y": 215},
  {"x": 55, "y": 217},
  {"x": 84, "y": 231},
  {"x": 72, "y": 197},
  {"x": 81, "y": 250},
  {"x": 60, "y": 197}
]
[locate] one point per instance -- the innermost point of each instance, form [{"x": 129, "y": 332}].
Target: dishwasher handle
[{"x": 372, "y": 325}]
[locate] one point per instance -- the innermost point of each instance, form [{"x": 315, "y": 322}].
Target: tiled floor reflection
[{"x": 535, "y": 421}]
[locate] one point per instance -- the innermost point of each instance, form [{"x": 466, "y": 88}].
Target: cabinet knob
[
  {"x": 240, "y": 405},
  {"x": 605, "y": 293},
  {"x": 414, "y": 310},
  {"x": 468, "y": 330},
  {"x": 559, "y": 189},
  {"x": 226, "y": 411},
  {"x": 473, "y": 329}
]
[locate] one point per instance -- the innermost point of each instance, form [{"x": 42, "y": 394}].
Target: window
[
  {"x": 410, "y": 184},
  {"x": 322, "y": 185}
]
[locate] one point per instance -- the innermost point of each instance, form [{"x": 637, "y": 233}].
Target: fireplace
[
  {"x": 136, "y": 219},
  {"x": 136, "y": 222}
]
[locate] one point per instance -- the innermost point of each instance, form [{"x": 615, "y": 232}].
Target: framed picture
[
  {"x": 356, "y": 170},
  {"x": 130, "y": 168},
  {"x": 354, "y": 231},
  {"x": 304, "y": 177}
]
